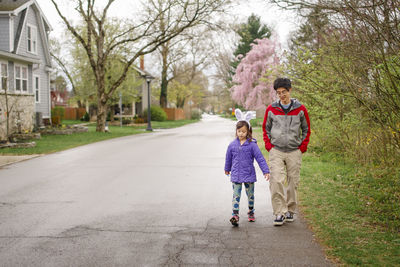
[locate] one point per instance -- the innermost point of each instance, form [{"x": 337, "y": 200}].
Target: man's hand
[
  {"x": 267, "y": 176},
  {"x": 303, "y": 148},
  {"x": 227, "y": 173}
]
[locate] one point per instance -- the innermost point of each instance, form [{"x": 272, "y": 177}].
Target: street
[{"x": 146, "y": 200}]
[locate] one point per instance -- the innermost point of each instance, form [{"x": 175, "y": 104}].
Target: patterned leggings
[{"x": 237, "y": 191}]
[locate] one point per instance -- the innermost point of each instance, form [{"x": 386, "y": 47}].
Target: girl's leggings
[{"x": 237, "y": 191}]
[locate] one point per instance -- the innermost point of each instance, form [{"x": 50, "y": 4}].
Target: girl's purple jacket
[{"x": 239, "y": 161}]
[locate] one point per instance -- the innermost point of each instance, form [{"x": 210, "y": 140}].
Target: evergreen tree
[{"x": 249, "y": 32}]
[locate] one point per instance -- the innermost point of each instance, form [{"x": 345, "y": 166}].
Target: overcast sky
[{"x": 283, "y": 22}]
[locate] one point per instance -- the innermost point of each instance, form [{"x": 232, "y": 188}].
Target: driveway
[{"x": 146, "y": 200}]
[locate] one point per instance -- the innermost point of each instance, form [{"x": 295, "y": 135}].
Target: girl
[{"x": 239, "y": 160}]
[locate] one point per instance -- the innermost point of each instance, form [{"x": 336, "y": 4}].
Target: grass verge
[
  {"x": 53, "y": 143},
  {"x": 354, "y": 214}
]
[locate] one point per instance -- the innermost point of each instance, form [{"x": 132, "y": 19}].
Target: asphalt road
[{"x": 154, "y": 199}]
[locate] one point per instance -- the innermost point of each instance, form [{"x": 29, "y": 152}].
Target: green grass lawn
[
  {"x": 72, "y": 122},
  {"x": 54, "y": 143},
  {"x": 355, "y": 215}
]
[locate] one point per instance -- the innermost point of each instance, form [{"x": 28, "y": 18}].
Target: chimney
[{"x": 142, "y": 62}]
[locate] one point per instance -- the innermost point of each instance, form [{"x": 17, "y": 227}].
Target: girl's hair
[{"x": 240, "y": 124}]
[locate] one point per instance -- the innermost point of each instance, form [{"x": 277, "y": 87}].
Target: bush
[
  {"x": 139, "y": 120},
  {"x": 56, "y": 120},
  {"x": 85, "y": 117},
  {"x": 57, "y": 115},
  {"x": 157, "y": 114},
  {"x": 195, "y": 115},
  {"x": 126, "y": 121},
  {"x": 58, "y": 112}
]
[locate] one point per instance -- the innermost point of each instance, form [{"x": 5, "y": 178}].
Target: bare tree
[
  {"x": 176, "y": 51},
  {"x": 140, "y": 37},
  {"x": 10, "y": 106}
]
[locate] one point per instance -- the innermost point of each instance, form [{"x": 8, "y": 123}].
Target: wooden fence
[
  {"x": 174, "y": 114},
  {"x": 74, "y": 113}
]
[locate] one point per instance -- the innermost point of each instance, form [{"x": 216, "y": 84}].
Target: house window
[
  {"x": 3, "y": 76},
  {"x": 21, "y": 79},
  {"x": 32, "y": 39},
  {"x": 36, "y": 84}
]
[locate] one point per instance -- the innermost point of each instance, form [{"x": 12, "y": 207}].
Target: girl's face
[{"x": 242, "y": 133}]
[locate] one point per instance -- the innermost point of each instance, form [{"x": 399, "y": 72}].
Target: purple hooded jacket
[{"x": 239, "y": 161}]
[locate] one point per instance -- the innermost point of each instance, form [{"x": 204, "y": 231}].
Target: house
[
  {"x": 59, "y": 98},
  {"x": 141, "y": 102},
  {"x": 25, "y": 64}
]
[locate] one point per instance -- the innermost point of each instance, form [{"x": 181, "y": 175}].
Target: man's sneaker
[
  {"x": 234, "y": 220},
  {"x": 289, "y": 217},
  {"x": 251, "y": 216},
  {"x": 279, "y": 220}
]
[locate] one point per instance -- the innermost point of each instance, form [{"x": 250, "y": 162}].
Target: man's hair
[{"x": 282, "y": 82}]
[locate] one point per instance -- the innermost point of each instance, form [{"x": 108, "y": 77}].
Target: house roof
[
  {"x": 11, "y": 5},
  {"x": 16, "y": 6},
  {"x": 25, "y": 59},
  {"x": 142, "y": 73}
]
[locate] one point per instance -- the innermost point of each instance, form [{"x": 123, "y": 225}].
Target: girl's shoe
[
  {"x": 251, "y": 216},
  {"x": 235, "y": 220}
]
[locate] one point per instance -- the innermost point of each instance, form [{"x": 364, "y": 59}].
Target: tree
[
  {"x": 189, "y": 83},
  {"x": 190, "y": 43},
  {"x": 9, "y": 107},
  {"x": 312, "y": 32},
  {"x": 59, "y": 83},
  {"x": 255, "y": 73},
  {"x": 248, "y": 33},
  {"x": 135, "y": 39}
]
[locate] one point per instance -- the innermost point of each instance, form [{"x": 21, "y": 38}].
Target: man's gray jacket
[{"x": 286, "y": 132}]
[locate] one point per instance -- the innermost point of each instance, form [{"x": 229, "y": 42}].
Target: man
[{"x": 286, "y": 130}]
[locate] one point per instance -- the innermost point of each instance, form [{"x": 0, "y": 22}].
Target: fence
[
  {"x": 74, "y": 113},
  {"x": 174, "y": 114}
]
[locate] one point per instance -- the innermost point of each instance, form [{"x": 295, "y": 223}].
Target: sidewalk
[{"x": 5, "y": 160}]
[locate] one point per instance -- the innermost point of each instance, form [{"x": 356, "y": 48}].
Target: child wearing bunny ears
[{"x": 239, "y": 160}]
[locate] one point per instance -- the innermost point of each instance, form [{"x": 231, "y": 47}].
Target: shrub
[
  {"x": 85, "y": 117},
  {"x": 139, "y": 120},
  {"x": 157, "y": 114},
  {"x": 195, "y": 115},
  {"x": 58, "y": 112},
  {"x": 57, "y": 115},
  {"x": 126, "y": 121}
]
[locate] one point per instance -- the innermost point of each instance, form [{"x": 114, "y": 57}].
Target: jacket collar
[
  {"x": 295, "y": 104},
  {"x": 247, "y": 142}
]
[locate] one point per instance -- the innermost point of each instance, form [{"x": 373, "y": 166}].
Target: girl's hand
[
  {"x": 227, "y": 173},
  {"x": 266, "y": 176}
]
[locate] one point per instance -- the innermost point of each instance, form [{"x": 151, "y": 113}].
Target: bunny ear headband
[{"x": 247, "y": 116}]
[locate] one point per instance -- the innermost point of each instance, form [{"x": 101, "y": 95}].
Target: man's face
[{"x": 284, "y": 95}]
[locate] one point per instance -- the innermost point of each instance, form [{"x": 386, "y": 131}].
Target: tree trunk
[
  {"x": 101, "y": 114},
  {"x": 163, "y": 95},
  {"x": 8, "y": 114},
  {"x": 164, "y": 78}
]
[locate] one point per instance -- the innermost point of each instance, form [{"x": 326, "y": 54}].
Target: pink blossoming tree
[{"x": 254, "y": 75}]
